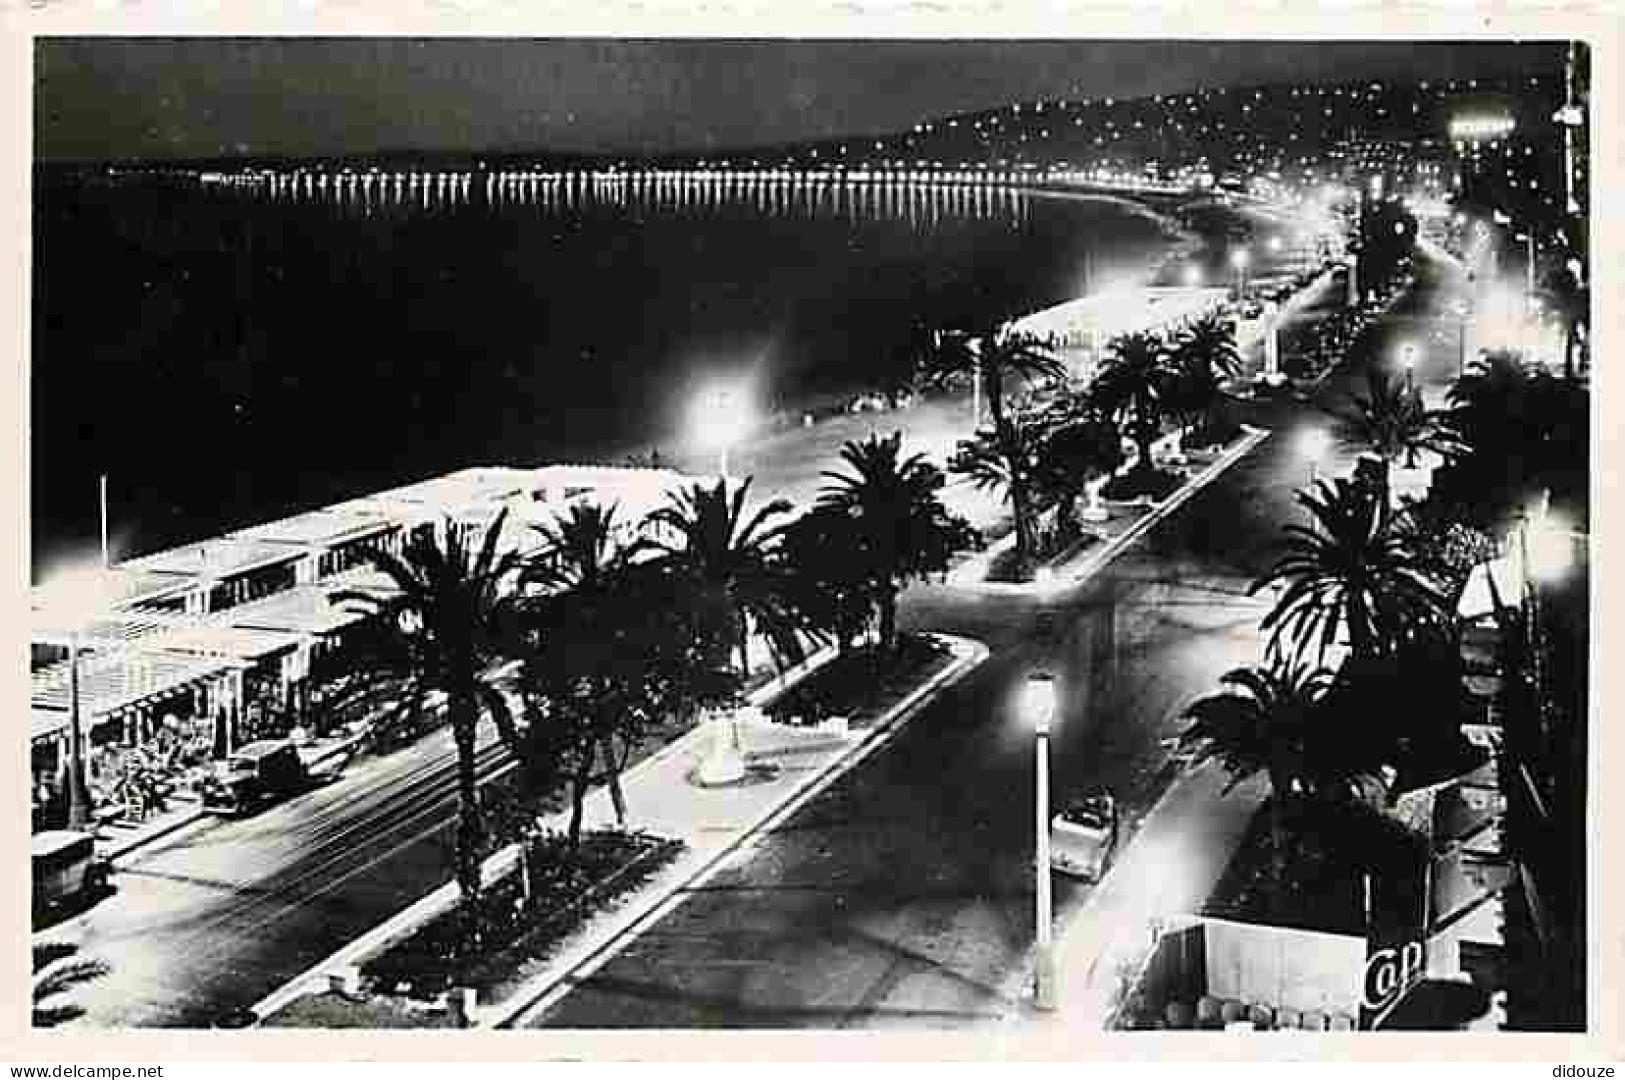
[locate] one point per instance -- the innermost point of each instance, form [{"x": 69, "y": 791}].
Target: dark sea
[{"x": 228, "y": 356}]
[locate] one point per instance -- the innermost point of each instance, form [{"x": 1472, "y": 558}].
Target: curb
[
  {"x": 541, "y": 993},
  {"x": 441, "y": 899},
  {"x": 135, "y": 843},
  {"x": 1079, "y": 571}
]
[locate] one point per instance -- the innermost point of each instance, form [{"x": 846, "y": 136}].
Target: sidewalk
[
  {"x": 1169, "y": 868},
  {"x": 785, "y": 766},
  {"x": 1129, "y": 522},
  {"x": 119, "y": 838}
]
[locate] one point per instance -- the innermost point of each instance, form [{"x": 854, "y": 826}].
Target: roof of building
[{"x": 219, "y": 558}]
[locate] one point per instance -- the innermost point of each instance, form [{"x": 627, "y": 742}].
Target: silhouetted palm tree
[
  {"x": 1522, "y": 431},
  {"x": 1003, "y": 460},
  {"x": 902, "y": 530},
  {"x": 993, "y": 358},
  {"x": 56, "y": 971},
  {"x": 1136, "y": 383},
  {"x": 1353, "y": 573},
  {"x": 1204, "y": 356},
  {"x": 1273, "y": 719},
  {"x": 610, "y": 654},
  {"x": 731, "y": 563},
  {"x": 1075, "y": 447},
  {"x": 445, "y": 629},
  {"x": 1391, "y": 421}
]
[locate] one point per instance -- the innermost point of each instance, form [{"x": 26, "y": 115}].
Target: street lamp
[
  {"x": 1312, "y": 444},
  {"x": 1193, "y": 276},
  {"x": 75, "y": 595},
  {"x": 721, "y": 419},
  {"x": 1463, "y": 309},
  {"x": 1038, "y": 707},
  {"x": 1238, "y": 260},
  {"x": 1408, "y": 354}
]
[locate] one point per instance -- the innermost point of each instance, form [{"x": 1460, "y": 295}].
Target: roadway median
[{"x": 786, "y": 765}]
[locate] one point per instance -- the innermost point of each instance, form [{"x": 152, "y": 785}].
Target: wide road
[
  {"x": 218, "y": 915},
  {"x": 904, "y": 894}
]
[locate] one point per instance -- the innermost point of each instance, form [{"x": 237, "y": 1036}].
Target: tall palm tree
[
  {"x": 1204, "y": 356},
  {"x": 1076, "y": 447},
  {"x": 993, "y": 358},
  {"x": 1264, "y": 720},
  {"x": 56, "y": 971},
  {"x": 1135, "y": 383},
  {"x": 609, "y": 654},
  {"x": 731, "y": 561},
  {"x": 1354, "y": 573},
  {"x": 903, "y": 531},
  {"x": 1003, "y": 460},
  {"x": 1521, "y": 430},
  {"x": 445, "y": 629},
  {"x": 1391, "y": 420}
]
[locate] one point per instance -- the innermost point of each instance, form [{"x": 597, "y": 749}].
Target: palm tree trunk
[
  {"x": 888, "y": 617},
  {"x": 616, "y": 795},
  {"x": 1021, "y": 510},
  {"x": 578, "y": 799},
  {"x": 1279, "y": 787}
]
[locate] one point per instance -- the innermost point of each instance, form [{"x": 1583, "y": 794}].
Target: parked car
[
  {"x": 66, "y": 867},
  {"x": 255, "y": 776},
  {"x": 1083, "y": 836}
]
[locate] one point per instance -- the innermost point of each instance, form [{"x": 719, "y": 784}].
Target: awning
[{"x": 113, "y": 684}]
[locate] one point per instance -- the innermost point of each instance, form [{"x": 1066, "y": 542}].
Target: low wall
[{"x": 1302, "y": 970}]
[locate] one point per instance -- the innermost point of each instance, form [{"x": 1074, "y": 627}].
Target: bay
[{"x": 231, "y": 356}]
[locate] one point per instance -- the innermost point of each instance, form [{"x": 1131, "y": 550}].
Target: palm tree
[
  {"x": 444, "y": 630},
  {"x": 1264, "y": 719},
  {"x": 731, "y": 561},
  {"x": 903, "y": 531},
  {"x": 992, "y": 358},
  {"x": 1521, "y": 431},
  {"x": 1076, "y": 448},
  {"x": 1204, "y": 356},
  {"x": 56, "y": 971},
  {"x": 827, "y": 586},
  {"x": 1392, "y": 421},
  {"x": 1136, "y": 383},
  {"x": 1353, "y": 573},
  {"x": 1003, "y": 460},
  {"x": 609, "y": 655}
]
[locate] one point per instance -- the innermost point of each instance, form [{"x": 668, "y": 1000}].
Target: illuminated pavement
[
  {"x": 902, "y": 897},
  {"x": 220, "y": 913}
]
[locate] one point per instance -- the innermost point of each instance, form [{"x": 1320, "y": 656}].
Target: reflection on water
[{"x": 919, "y": 200}]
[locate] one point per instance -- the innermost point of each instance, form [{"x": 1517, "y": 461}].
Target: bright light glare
[
  {"x": 1313, "y": 443},
  {"x": 1551, "y": 546},
  {"x": 1193, "y": 276},
  {"x": 1238, "y": 258},
  {"x": 76, "y": 590},
  {"x": 721, "y": 418},
  {"x": 1037, "y": 701}
]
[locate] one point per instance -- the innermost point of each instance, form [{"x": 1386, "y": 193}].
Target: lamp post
[
  {"x": 1038, "y": 705},
  {"x": 1312, "y": 444},
  {"x": 78, "y": 794},
  {"x": 1408, "y": 354},
  {"x": 1528, "y": 270},
  {"x": 1238, "y": 260},
  {"x": 721, "y": 419},
  {"x": 1463, "y": 309}
]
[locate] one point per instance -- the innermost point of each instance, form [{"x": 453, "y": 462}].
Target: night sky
[{"x": 126, "y": 97}]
